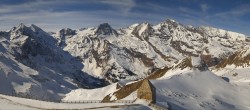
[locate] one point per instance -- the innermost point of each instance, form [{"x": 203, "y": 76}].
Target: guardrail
[
  {"x": 157, "y": 107},
  {"x": 95, "y": 101},
  {"x": 81, "y": 101},
  {"x": 124, "y": 101}
]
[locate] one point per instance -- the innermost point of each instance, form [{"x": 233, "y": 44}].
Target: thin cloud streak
[
  {"x": 235, "y": 12},
  {"x": 204, "y": 7},
  {"x": 123, "y": 5},
  {"x": 56, "y": 14}
]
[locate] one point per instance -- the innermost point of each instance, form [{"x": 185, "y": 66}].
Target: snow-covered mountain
[
  {"x": 32, "y": 65},
  {"x": 141, "y": 48},
  {"x": 44, "y": 65}
]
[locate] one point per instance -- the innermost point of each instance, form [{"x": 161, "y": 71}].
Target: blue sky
[{"x": 53, "y": 15}]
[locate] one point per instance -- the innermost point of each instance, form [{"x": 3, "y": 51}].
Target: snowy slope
[
  {"x": 14, "y": 103},
  {"x": 235, "y": 75},
  {"x": 6, "y": 104},
  {"x": 186, "y": 86},
  {"x": 90, "y": 94},
  {"x": 200, "y": 90}
]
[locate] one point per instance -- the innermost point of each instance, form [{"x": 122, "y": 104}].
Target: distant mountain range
[{"x": 42, "y": 65}]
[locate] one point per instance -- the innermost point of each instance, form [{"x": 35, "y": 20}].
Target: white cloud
[
  {"x": 233, "y": 13},
  {"x": 204, "y": 7},
  {"x": 122, "y": 5}
]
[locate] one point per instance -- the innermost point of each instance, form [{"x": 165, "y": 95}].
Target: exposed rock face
[
  {"x": 209, "y": 60},
  {"x": 199, "y": 63},
  {"x": 67, "y": 31},
  {"x": 238, "y": 59},
  {"x": 185, "y": 63},
  {"x": 147, "y": 91},
  {"x": 63, "y": 34},
  {"x": 26, "y": 41},
  {"x": 130, "y": 88},
  {"x": 105, "y": 29},
  {"x": 143, "y": 31}
]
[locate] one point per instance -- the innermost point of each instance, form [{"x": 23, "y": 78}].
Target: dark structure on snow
[{"x": 147, "y": 91}]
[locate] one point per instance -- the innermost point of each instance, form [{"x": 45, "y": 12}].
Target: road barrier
[
  {"x": 157, "y": 107},
  {"x": 95, "y": 101}
]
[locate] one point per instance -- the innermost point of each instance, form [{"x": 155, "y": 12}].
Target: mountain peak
[
  {"x": 171, "y": 20},
  {"x": 19, "y": 29},
  {"x": 67, "y": 31},
  {"x": 142, "y": 31},
  {"x": 19, "y": 26},
  {"x": 144, "y": 27},
  {"x": 105, "y": 29},
  {"x": 105, "y": 25},
  {"x": 35, "y": 28}
]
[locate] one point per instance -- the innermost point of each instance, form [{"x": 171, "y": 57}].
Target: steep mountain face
[
  {"x": 63, "y": 36},
  {"x": 240, "y": 58},
  {"x": 105, "y": 29},
  {"x": 142, "y": 48},
  {"x": 56, "y": 63},
  {"x": 33, "y": 66}
]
